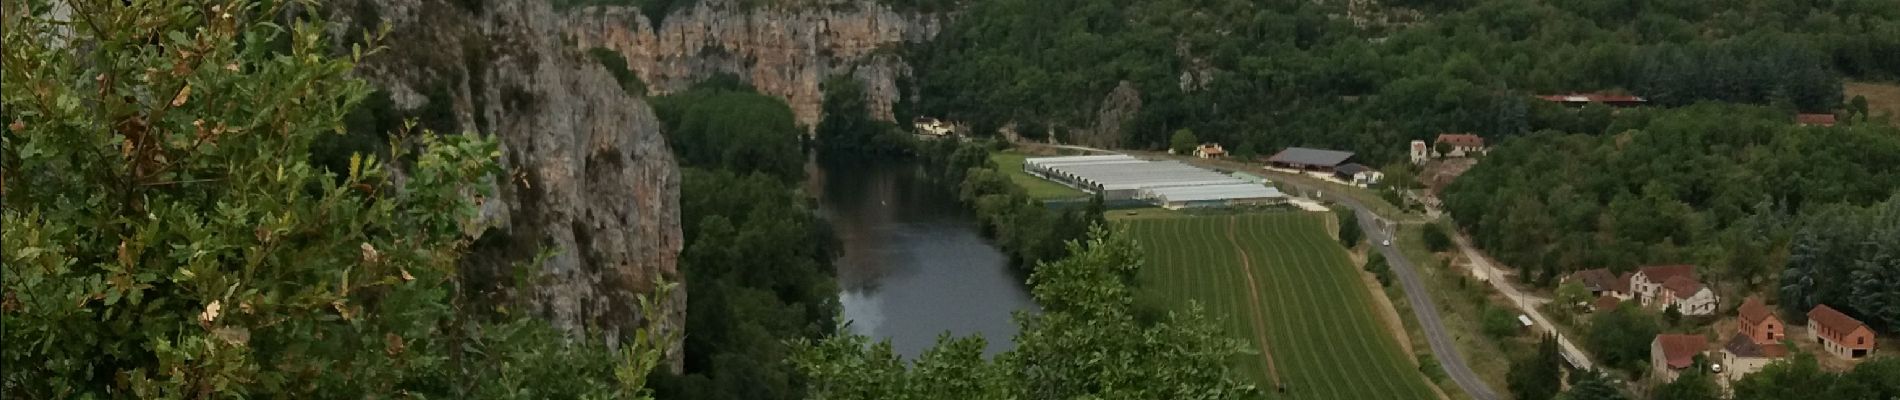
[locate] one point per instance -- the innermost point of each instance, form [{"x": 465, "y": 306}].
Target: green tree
[
  {"x": 1593, "y": 385},
  {"x": 1696, "y": 384},
  {"x": 1538, "y": 376},
  {"x": 1350, "y": 234},
  {"x": 166, "y": 234},
  {"x": 1498, "y": 322},
  {"x": 1436, "y": 240},
  {"x": 1620, "y": 337},
  {"x": 848, "y": 133},
  {"x": 1572, "y": 296},
  {"x": 1089, "y": 302},
  {"x": 1183, "y": 142}
]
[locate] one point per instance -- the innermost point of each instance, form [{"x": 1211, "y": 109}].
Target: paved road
[
  {"x": 1482, "y": 267},
  {"x": 1443, "y": 345}
]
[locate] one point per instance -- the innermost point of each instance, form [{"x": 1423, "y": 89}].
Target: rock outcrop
[
  {"x": 785, "y": 49},
  {"x": 589, "y": 175}
]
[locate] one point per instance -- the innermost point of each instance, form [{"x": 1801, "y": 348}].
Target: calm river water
[{"x": 914, "y": 264}]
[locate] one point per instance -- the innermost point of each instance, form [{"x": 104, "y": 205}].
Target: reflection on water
[{"x": 914, "y": 265}]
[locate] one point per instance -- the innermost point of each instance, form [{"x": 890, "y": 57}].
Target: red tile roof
[
  {"x": 1680, "y": 350},
  {"x": 1213, "y": 148},
  {"x": 1460, "y": 139},
  {"x": 1683, "y": 286},
  {"x": 1840, "y": 324},
  {"x": 1623, "y": 282},
  {"x": 1662, "y": 273},
  {"x": 1814, "y": 119},
  {"x": 1753, "y": 311}
]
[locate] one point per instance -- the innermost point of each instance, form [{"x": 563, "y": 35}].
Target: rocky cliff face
[
  {"x": 786, "y": 49},
  {"x": 589, "y": 175}
]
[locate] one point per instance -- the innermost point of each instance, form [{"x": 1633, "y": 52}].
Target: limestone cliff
[
  {"x": 589, "y": 175},
  {"x": 785, "y": 49}
]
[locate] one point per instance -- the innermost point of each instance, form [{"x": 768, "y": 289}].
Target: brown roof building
[
  {"x": 1602, "y": 282},
  {"x": 1814, "y": 119},
  {"x": 1671, "y": 353},
  {"x": 1840, "y": 334},
  {"x": 1759, "y": 323}
]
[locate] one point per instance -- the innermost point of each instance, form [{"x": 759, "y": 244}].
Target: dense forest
[
  {"x": 1259, "y": 76},
  {"x": 757, "y": 259},
  {"x": 1710, "y": 184}
]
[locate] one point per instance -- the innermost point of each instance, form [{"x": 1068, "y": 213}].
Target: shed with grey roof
[{"x": 1309, "y": 159}]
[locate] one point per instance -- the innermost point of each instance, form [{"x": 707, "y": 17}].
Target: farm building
[
  {"x": 1841, "y": 335},
  {"x": 1581, "y": 99},
  {"x": 1302, "y": 158},
  {"x": 1236, "y": 194},
  {"x": 1166, "y": 183},
  {"x": 1814, "y": 119},
  {"x": 1358, "y": 174},
  {"x": 1210, "y": 150}
]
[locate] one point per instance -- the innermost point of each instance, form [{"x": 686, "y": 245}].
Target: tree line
[{"x": 1260, "y": 76}]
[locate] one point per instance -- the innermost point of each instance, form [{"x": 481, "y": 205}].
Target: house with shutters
[
  {"x": 1665, "y": 286},
  {"x": 1757, "y": 341},
  {"x": 1839, "y": 334},
  {"x": 1759, "y": 323}
]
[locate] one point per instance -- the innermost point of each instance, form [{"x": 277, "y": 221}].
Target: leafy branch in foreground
[{"x": 166, "y": 235}]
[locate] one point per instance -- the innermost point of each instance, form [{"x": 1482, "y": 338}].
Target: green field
[
  {"x": 1039, "y": 189},
  {"x": 1279, "y": 282}
]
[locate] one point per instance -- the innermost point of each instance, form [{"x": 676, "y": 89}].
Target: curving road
[{"x": 1442, "y": 343}]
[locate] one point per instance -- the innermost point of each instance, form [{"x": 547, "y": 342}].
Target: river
[{"x": 914, "y": 263}]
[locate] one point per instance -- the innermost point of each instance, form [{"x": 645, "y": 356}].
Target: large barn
[{"x": 1302, "y": 158}]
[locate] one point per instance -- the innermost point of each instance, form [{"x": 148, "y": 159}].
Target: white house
[
  {"x": 1461, "y": 144},
  {"x": 1662, "y": 286},
  {"x": 1210, "y": 150},
  {"x": 932, "y": 126},
  {"x": 1420, "y": 152}
]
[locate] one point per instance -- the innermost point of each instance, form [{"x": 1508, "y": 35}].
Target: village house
[
  {"x": 1814, "y": 119},
  {"x": 1602, "y": 283},
  {"x": 1756, "y": 343},
  {"x": 1665, "y": 286},
  {"x": 1420, "y": 152},
  {"x": 931, "y": 126},
  {"x": 1839, "y": 334},
  {"x": 1670, "y": 354},
  {"x": 1459, "y": 144},
  {"x": 1582, "y": 99},
  {"x": 1743, "y": 356},
  {"x": 1759, "y": 323},
  {"x": 1210, "y": 150}
]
